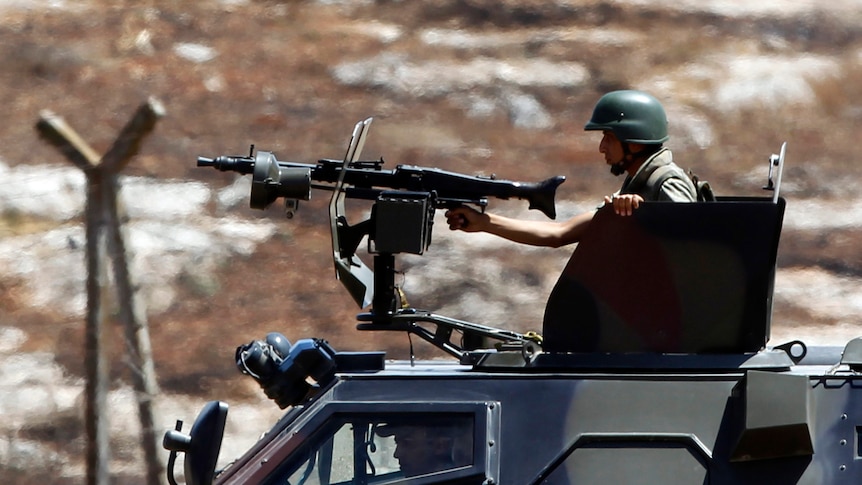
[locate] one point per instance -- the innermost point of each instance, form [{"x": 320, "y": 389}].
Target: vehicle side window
[
  {"x": 428, "y": 444},
  {"x": 364, "y": 449}
]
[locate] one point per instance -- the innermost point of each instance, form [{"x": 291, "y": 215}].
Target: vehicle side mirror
[{"x": 201, "y": 445}]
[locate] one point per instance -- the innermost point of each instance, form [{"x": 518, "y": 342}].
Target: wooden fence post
[{"x": 104, "y": 218}]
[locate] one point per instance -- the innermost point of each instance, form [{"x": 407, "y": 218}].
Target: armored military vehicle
[{"x": 671, "y": 381}]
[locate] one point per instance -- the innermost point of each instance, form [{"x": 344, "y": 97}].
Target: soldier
[
  {"x": 634, "y": 125},
  {"x": 423, "y": 448}
]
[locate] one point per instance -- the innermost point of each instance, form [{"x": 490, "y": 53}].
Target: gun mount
[{"x": 404, "y": 200}]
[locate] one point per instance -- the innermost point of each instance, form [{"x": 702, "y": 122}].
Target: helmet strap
[
  {"x": 619, "y": 168},
  {"x": 629, "y": 158}
]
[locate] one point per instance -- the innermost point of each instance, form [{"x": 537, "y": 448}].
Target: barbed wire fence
[{"x": 104, "y": 217}]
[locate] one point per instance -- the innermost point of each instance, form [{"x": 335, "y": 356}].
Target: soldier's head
[
  {"x": 421, "y": 448},
  {"x": 634, "y": 125}
]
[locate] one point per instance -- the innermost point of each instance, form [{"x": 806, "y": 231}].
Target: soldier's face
[
  {"x": 611, "y": 148},
  {"x": 418, "y": 453}
]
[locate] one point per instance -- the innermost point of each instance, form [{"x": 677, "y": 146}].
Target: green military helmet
[{"x": 633, "y": 116}]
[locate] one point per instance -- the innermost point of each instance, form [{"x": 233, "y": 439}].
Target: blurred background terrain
[{"x": 474, "y": 86}]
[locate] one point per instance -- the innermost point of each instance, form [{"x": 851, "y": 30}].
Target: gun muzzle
[{"x": 243, "y": 165}]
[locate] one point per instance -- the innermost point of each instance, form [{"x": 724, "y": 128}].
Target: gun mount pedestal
[{"x": 385, "y": 301}]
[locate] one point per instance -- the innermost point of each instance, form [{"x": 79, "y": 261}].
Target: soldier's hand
[
  {"x": 465, "y": 219},
  {"x": 624, "y": 204}
]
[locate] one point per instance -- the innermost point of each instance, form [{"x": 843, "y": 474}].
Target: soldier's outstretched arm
[{"x": 534, "y": 233}]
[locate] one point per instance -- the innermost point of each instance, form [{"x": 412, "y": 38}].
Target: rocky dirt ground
[{"x": 469, "y": 85}]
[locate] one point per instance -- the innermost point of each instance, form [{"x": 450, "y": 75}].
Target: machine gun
[
  {"x": 368, "y": 180},
  {"x": 404, "y": 201}
]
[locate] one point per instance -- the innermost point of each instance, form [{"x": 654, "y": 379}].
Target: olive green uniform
[{"x": 659, "y": 179}]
